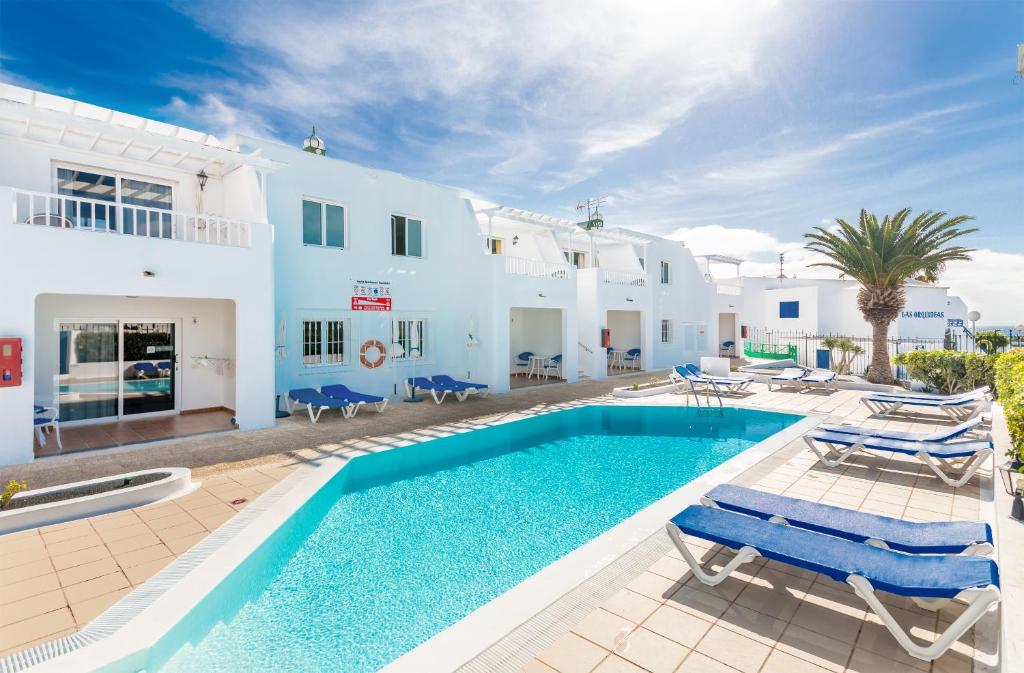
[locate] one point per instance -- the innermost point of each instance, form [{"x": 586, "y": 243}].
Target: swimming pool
[
  {"x": 401, "y": 544},
  {"x": 162, "y": 385}
]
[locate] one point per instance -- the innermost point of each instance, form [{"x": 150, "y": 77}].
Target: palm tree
[{"x": 883, "y": 256}]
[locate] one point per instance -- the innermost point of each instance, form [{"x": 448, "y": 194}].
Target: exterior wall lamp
[
  {"x": 515, "y": 240},
  {"x": 203, "y": 177}
]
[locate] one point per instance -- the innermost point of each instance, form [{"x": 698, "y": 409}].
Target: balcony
[
  {"x": 535, "y": 268},
  {"x": 628, "y": 278},
  {"x": 57, "y": 211}
]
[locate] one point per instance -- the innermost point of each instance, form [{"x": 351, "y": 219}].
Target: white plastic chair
[{"x": 45, "y": 420}]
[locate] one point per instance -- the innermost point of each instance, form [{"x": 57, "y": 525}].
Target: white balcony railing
[
  {"x": 631, "y": 278},
  {"x": 521, "y": 266},
  {"x": 70, "y": 212}
]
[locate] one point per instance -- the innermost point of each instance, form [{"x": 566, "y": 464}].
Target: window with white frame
[
  {"x": 576, "y": 258},
  {"x": 323, "y": 224},
  {"x": 496, "y": 246},
  {"x": 406, "y": 236},
  {"x": 136, "y": 203},
  {"x": 408, "y": 339},
  {"x": 666, "y": 273},
  {"x": 323, "y": 342},
  {"x": 666, "y": 331}
]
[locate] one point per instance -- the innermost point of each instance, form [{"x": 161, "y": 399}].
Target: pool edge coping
[{"x": 126, "y": 631}]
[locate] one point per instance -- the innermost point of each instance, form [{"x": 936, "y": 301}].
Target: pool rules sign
[{"x": 371, "y": 295}]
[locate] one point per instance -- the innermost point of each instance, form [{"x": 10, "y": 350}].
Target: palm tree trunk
[{"x": 881, "y": 369}]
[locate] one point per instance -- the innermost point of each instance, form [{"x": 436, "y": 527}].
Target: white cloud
[
  {"x": 990, "y": 284},
  {"x": 212, "y": 114},
  {"x": 585, "y": 80}
]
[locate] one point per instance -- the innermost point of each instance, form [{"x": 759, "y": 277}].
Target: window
[
  {"x": 666, "y": 331},
  {"x": 406, "y": 236},
  {"x": 137, "y": 198},
  {"x": 666, "y": 273},
  {"x": 323, "y": 342},
  {"x": 789, "y": 309},
  {"x": 323, "y": 224},
  {"x": 496, "y": 246},
  {"x": 577, "y": 259},
  {"x": 408, "y": 339}
]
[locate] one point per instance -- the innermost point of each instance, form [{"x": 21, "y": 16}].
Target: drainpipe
[{"x": 490, "y": 232}]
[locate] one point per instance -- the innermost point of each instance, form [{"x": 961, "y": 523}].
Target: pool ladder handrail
[{"x": 709, "y": 385}]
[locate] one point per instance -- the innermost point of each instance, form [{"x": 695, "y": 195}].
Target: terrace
[{"x": 642, "y": 612}]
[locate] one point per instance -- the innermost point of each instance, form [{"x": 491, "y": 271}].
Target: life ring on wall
[{"x": 368, "y": 346}]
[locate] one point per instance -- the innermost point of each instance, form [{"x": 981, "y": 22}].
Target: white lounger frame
[
  {"x": 460, "y": 395},
  {"x": 960, "y": 412},
  {"x": 979, "y": 601},
  {"x": 953, "y": 471},
  {"x": 346, "y": 412},
  {"x": 379, "y": 406}
]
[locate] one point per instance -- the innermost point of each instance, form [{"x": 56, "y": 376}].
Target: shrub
[
  {"x": 949, "y": 371},
  {"x": 13, "y": 488},
  {"x": 991, "y": 341},
  {"x": 1010, "y": 383}
]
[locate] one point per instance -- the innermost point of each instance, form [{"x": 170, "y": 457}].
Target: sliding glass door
[
  {"x": 113, "y": 369},
  {"x": 88, "y": 379},
  {"x": 148, "y": 370}
]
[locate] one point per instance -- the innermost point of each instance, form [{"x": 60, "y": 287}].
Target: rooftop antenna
[
  {"x": 595, "y": 220},
  {"x": 782, "y": 259}
]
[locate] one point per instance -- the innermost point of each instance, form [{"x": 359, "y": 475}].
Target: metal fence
[{"x": 808, "y": 351}]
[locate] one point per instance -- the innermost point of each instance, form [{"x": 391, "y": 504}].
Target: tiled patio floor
[
  {"x": 767, "y": 618},
  {"x": 132, "y": 431}
]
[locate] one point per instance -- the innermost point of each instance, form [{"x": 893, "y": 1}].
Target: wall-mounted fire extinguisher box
[
  {"x": 606, "y": 338},
  {"x": 10, "y": 361}
]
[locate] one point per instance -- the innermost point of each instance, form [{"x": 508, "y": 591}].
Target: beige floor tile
[
  {"x": 76, "y": 593},
  {"x": 90, "y": 539},
  {"x": 699, "y": 663},
  {"x": 866, "y": 661},
  {"x": 22, "y": 555},
  {"x": 180, "y": 545},
  {"x": 87, "y": 610},
  {"x": 698, "y": 603},
  {"x": 33, "y": 628},
  {"x": 605, "y": 629},
  {"x": 616, "y": 664},
  {"x": 573, "y": 654},
  {"x": 753, "y": 624},
  {"x": 142, "y": 572},
  {"x": 631, "y": 605},
  {"x": 28, "y": 588},
  {"x": 537, "y": 666},
  {"x": 820, "y": 650},
  {"x": 25, "y": 571},
  {"x": 79, "y": 557},
  {"x": 778, "y": 604},
  {"x": 109, "y": 535},
  {"x": 653, "y": 586},
  {"x": 87, "y": 571},
  {"x": 652, "y": 652},
  {"x": 16, "y": 611},
  {"x": 144, "y": 555},
  {"x": 145, "y": 539},
  {"x": 733, "y": 649},
  {"x": 677, "y": 625},
  {"x": 781, "y": 662}
]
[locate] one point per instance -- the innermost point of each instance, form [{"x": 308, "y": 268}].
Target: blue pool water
[
  {"x": 401, "y": 544},
  {"x": 135, "y": 385}
]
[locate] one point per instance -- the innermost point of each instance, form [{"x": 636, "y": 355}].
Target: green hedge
[
  {"x": 949, "y": 372},
  {"x": 1010, "y": 384}
]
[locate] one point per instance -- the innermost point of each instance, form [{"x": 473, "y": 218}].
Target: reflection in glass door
[
  {"x": 88, "y": 376},
  {"x": 148, "y": 367}
]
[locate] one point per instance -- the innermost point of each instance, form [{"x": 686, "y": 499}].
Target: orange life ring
[{"x": 367, "y": 345}]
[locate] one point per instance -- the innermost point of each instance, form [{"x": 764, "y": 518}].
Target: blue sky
[{"x": 733, "y": 126}]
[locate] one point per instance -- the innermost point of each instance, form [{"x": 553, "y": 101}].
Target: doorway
[{"x": 111, "y": 369}]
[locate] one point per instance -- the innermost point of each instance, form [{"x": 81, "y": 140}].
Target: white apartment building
[{"x": 158, "y": 273}]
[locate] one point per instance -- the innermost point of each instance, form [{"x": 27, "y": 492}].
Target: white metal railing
[
  {"x": 631, "y": 278},
  {"x": 72, "y": 212},
  {"x": 521, "y": 266}
]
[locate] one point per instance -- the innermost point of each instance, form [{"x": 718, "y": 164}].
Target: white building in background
[
  {"x": 137, "y": 269},
  {"x": 144, "y": 278},
  {"x": 819, "y": 306}
]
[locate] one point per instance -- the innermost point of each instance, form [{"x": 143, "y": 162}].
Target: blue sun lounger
[
  {"x": 929, "y": 580},
  {"x": 468, "y": 386},
  {"x": 435, "y": 388},
  {"x": 314, "y": 398},
  {"x": 958, "y": 407},
  {"x": 342, "y": 392},
  {"x": 146, "y": 369},
  {"x": 944, "y": 435},
  {"x": 730, "y": 384},
  {"x": 970, "y": 538},
  {"x": 960, "y": 459}
]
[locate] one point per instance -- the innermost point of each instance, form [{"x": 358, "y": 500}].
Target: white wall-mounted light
[{"x": 148, "y": 274}]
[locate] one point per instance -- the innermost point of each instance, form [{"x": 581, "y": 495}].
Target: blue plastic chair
[
  {"x": 522, "y": 362},
  {"x": 554, "y": 363},
  {"x": 632, "y": 358},
  {"x": 146, "y": 369}
]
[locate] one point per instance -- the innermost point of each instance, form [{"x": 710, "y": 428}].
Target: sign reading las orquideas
[
  {"x": 923, "y": 314},
  {"x": 371, "y": 295}
]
